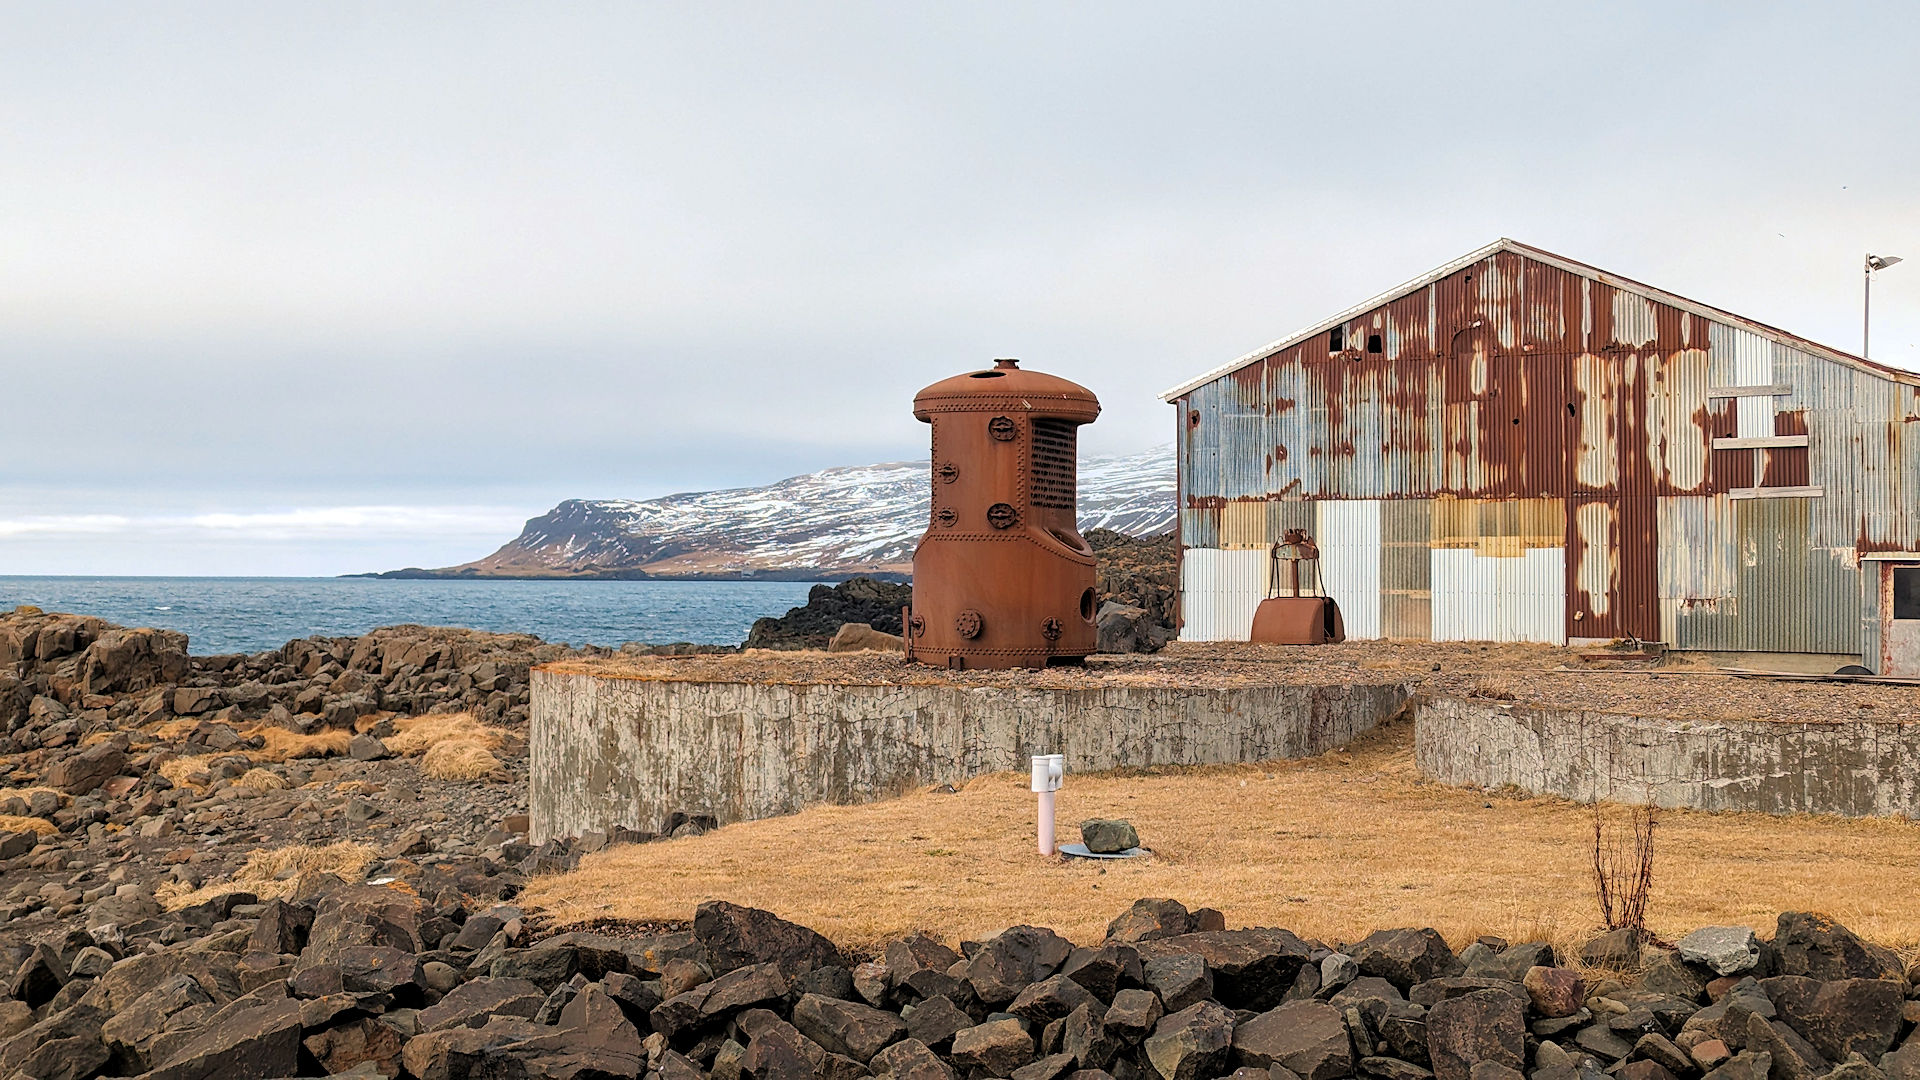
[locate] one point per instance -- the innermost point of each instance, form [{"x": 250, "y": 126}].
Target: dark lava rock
[
  {"x": 1308, "y": 1038},
  {"x": 1814, "y": 945},
  {"x": 910, "y": 1060},
  {"x": 1108, "y": 836},
  {"x": 1251, "y": 969},
  {"x": 734, "y": 937},
  {"x": 847, "y": 1027},
  {"x": 997, "y": 1046},
  {"x": 260, "y": 1041},
  {"x": 1050, "y": 999},
  {"x": 473, "y": 1003},
  {"x": 1845, "y": 1016},
  {"x": 1404, "y": 957},
  {"x": 1487, "y": 1025},
  {"x": 1013, "y": 960},
  {"x": 1192, "y": 1044},
  {"x": 936, "y": 1020},
  {"x": 1151, "y": 918},
  {"x": 1133, "y": 1015},
  {"x": 1105, "y": 970},
  {"x": 828, "y": 607}
]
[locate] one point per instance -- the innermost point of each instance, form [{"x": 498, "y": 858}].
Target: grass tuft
[
  {"x": 271, "y": 873},
  {"x": 187, "y": 771},
  {"x": 461, "y": 761},
  {"x": 451, "y": 746},
  {"x": 283, "y": 745},
  {"x": 10, "y": 823},
  {"x": 262, "y": 780}
]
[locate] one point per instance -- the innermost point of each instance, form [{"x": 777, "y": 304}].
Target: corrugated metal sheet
[
  {"x": 1405, "y": 575},
  {"x": 1743, "y": 575},
  {"x": 1218, "y": 592},
  {"x": 1349, "y": 537},
  {"x": 1499, "y": 598},
  {"x": 1513, "y": 377}
]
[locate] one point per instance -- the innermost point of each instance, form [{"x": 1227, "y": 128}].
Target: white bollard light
[{"x": 1049, "y": 770}]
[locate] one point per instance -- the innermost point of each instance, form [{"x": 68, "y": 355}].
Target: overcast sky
[{"x": 319, "y": 288}]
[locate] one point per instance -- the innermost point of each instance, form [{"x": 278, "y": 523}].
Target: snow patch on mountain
[{"x": 854, "y": 519}]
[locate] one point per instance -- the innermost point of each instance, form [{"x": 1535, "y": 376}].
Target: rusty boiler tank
[{"x": 1003, "y": 577}]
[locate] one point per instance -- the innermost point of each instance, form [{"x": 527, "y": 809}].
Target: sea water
[{"x": 226, "y": 615}]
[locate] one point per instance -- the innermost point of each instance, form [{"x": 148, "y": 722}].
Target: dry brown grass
[
  {"x": 1331, "y": 847},
  {"x": 417, "y": 734},
  {"x": 177, "y": 728},
  {"x": 283, "y": 745},
  {"x": 262, "y": 780},
  {"x": 27, "y": 793},
  {"x": 461, "y": 761},
  {"x": 271, "y": 873},
  {"x": 10, "y": 823},
  {"x": 451, "y": 746},
  {"x": 181, "y": 771}
]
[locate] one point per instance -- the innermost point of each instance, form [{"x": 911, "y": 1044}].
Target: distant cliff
[{"x": 856, "y": 520}]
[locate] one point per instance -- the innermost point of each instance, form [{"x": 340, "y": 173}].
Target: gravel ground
[{"x": 1524, "y": 674}]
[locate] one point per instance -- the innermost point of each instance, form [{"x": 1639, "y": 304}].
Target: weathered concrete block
[
  {"x": 1854, "y": 768},
  {"x": 607, "y": 750}
]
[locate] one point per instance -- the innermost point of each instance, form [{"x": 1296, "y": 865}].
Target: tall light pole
[{"x": 1874, "y": 262}]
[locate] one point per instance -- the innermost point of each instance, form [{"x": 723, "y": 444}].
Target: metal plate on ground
[{"x": 1079, "y": 851}]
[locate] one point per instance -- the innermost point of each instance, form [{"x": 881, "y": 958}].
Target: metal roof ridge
[
  {"x": 1572, "y": 266},
  {"x": 1297, "y": 336}
]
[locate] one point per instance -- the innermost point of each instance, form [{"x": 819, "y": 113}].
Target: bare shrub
[{"x": 1623, "y": 866}]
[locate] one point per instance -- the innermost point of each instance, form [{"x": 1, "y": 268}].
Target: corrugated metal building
[{"x": 1520, "y": 447}]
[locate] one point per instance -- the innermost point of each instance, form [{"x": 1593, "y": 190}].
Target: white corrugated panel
[
  {"x": 1752, "y": 366},
  {"x": 1484, "y": 598},
  {"x": 1348, "y": 532},
  {"x": 1218, "y": 592}
]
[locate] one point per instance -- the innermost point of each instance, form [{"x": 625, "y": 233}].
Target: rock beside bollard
[{"x": 1108, "y": 836}]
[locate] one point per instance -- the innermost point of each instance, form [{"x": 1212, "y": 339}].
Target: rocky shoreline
[
  {"x": 306, "y": 862},
  {"x": 1137, "y": 590},
  {"x": 376, "y": 980}
]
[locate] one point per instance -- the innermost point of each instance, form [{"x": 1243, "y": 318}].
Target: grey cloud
[{"x": 336, "y": 255}]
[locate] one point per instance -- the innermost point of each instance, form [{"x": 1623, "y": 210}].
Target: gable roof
[{"x": 1579, "y": 269}]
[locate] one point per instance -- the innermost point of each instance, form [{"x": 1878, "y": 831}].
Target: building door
[{"x": 1900, "y": 620}]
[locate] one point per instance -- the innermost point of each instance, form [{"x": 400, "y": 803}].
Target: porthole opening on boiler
[{"x": 1086, "y": 605}]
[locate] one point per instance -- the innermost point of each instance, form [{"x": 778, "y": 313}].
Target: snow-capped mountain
[{"x": 855, "y": 519}]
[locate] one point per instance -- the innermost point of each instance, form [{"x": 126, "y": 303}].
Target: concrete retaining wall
[
  {"x": 611, "y": 751},
  {"x": 1853, "y": 768}
]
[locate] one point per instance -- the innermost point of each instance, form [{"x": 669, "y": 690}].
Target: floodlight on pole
[{"x": 1874, "y": 262}]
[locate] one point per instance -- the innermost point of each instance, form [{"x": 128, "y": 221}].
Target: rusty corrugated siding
[{"x": 1511, "y": 379}]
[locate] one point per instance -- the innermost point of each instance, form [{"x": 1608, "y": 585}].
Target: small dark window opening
[
  {"x": 1373, "y": 343},
  {"x": 1337, "y": 339},
  {"x": 1906, "y": 592}
]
